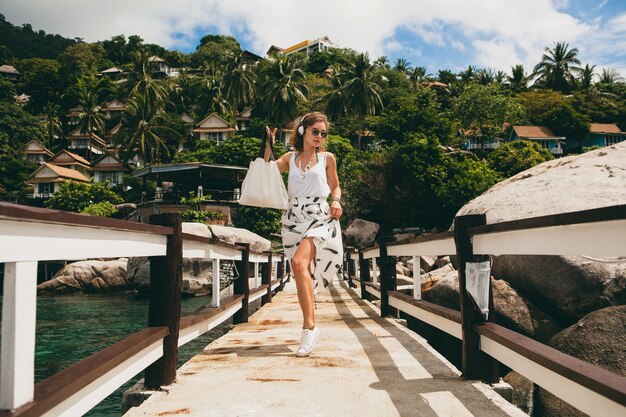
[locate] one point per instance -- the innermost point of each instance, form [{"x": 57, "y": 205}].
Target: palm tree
[
  {"x": 518, "y": 81},
  {"x": 585, "y": 78},
  {"x": 610, "y": 77},
  {"x": 556, "y": 66},
  {"x": 52, "y": 123},
  {"x": 402, "y": 65},
  {"x": 142, "y": 133},
  {"x": 239, "y": 82},
  {"x": 211, "y": 97},
  {"x": 360, "y": 89},
  {"x": 282, "y": 87},
  {"x": 485, "y": 76},
  {"x": 499, "y": 77},
  {"x": 382, "y": 62},
  {"x": 140, "y": 80},
  {"x": 418, "y": 74},
  {"x": 91, "y": 119},
  {"x": 468, "y": 75}
]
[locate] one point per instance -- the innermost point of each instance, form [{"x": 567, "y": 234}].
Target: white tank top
[{"x": 313, "y": 183}]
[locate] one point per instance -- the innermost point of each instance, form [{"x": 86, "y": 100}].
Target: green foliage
[
  {"x": 193, "y": 200},
  {"x": 237, "y": 150},
  {"x": 483, "y": 109},
  {"x": 81, "y": 60},
  {"x": 75, "y": 196},
  {"x": 40, "y": 80},
  {"x": 517, "y": 156},
  {"x": 538, "y": 103},
  {"x": 7, "y": 90},
  {"x": 14, "y": 170},
  {"x": 102, "y": 209},
  {"x": 214, "y": 49},
  {"x": 417, "y": 113},
  {"x": 563, "y": 120},
  {"x": 17, "y": 126},
  {"x": 262, "y": 221},
  {"x": 198, "y": 216}
]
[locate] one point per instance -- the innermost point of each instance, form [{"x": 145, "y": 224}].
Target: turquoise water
[{"x": 72, "y": 327}]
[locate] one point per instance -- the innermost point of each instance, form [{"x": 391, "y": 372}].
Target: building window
[
  {"x": 45, "y": 189},
  {"x": 80, "y": 144},
  {"x": 216, "y": 136},
  {"x": 613, "y": 139},
  {"x": 113, "y": 177}
]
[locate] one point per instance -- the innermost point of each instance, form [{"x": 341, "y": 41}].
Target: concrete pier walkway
[{"x": 363, "y": 365}]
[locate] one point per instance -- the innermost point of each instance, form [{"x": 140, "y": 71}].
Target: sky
[{"x": 437, "y": 34}]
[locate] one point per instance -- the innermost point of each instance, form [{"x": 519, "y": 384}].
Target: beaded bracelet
[{"x": 337, "y": 199}]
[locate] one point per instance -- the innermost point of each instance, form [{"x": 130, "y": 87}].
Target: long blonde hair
[{"x": 297, "y": 140}]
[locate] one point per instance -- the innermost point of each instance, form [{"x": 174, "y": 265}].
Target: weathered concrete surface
[{"x": 362, "y": 366}]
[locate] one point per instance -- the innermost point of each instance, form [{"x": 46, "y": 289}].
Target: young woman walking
[{"x": 310, "y": 226}]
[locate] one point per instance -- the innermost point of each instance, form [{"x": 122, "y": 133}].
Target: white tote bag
[{"x": 263, "y": 185}]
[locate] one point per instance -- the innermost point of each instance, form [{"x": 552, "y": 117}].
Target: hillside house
[
  {"x": 10, "y": 73},
  {"x": 87, "y": 144},
  {"x": 113, "y": 73},
  {"x": 36, "y": 152},
  {"x": 47, "y": 177},
  {"x": 69, "y": 160},
  {"x": 603, "y": 134},
  {"x": 308, "y": 47},
  {"x": 541, "y": 135},
  {"x": 213, "y": 127},
  {"x": 108, "y": 168},
  {"x": 242, "y": 120}
]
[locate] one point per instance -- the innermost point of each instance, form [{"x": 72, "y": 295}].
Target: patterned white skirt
[{"x": 309, "y": 217}]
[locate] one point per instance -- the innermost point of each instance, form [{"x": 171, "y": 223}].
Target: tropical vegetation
[{"x": 395, "y": 126}]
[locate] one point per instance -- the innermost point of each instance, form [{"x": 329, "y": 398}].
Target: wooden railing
[
  {"x": 29, "y": 235},
  {"x": 600, "y": 232}
]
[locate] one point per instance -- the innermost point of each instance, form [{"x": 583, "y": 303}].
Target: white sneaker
[{"x": 309, "y": 338}]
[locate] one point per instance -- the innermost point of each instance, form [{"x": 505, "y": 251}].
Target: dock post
[
  {"x": 266, "y": 278},
  {"x": 350, "y": 269},
  {"x": 387, "y": 276},
  {"x": 475, "y": 363},
  {"x": 166, "y": 281},
  {"x": 280, "y": 272},
  {"x": 364, "y": 276},
  {"x": 241, "y": 285}
]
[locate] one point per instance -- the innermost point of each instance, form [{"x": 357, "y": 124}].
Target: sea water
[{"x": 73, "y": 327}]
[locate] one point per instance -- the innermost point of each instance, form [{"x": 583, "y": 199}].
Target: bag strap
[{"x": 262, "y": 150}]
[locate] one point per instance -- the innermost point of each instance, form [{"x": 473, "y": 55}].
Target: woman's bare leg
[{"x": 304, "y": 284}]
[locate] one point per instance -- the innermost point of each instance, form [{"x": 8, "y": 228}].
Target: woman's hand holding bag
[{"x": 263, "y": 185}]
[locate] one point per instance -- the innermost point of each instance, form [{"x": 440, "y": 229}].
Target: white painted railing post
[
  {"x": 216, "y": 283},
  {"x": 374, "y": 271},
  {"x": 256, "y": 275},
  {"x": 417, "y": 278},
  {"x": 19, "y": 321}
]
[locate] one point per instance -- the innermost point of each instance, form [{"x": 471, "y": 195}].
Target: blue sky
[{"x": 440, "y": 34}]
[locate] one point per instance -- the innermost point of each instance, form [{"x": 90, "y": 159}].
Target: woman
[{"x": 310, "y": 226}]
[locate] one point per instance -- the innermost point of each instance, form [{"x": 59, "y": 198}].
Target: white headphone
[{"x": 301, "y": 128}]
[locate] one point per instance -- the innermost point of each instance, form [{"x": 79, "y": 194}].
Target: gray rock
[
  {"x": 235, "y": 234},
  {"x": 361, "y": 233},
  {"x": 442, "y": 261},
  {"x": 565, "y": 287},
  {"x": 598, "y": 338},
  {"x": 523, "y": 392},
  {"x": 512, "y": 311},
  {"x": 427, "y": 263},
  {"x": 88, "y": 276}
]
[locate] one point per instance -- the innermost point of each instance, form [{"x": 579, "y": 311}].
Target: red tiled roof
[
  {"x": 534, "y": 132},
  {"x": 604, "y": 128},
  {"x": 77, "y": 158}
]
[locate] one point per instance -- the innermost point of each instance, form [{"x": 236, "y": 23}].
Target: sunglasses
[{"x": 317, "y": 132}]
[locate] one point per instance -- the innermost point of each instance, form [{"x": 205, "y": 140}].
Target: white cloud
[{"x": 495, "y": 34}]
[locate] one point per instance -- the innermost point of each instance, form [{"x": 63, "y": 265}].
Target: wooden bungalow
[
  {"x": 603, "y": 134},
  {"x": 10, "y": 73},
  {"x": 242, "y": 119},
  {"x": 540, "y": 134},
  {"x": 108, "y": 168},
  {"x": 47, "y": 177},
  {"x": 87, "y": 144},
  {"x": 113, "y": 73},
  {"x": 213, "y": 127},
  {"x": 113, "y": 108},
  {"x": 36, "y": 152},
  {"x": 69, "y": 160}
]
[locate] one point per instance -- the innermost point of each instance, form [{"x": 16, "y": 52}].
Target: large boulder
[
  {"x": 512, "y": 310},
  {"x": 567, "y": 287},
  {"x": 237, "y": 235},
  {"x": 598, "y": 338},
  {"x": 92, "y": 276},
  {"x": 361, "y": 233}
]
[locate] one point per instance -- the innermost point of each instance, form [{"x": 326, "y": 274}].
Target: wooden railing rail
[
  {"x": 596, "y": 232},
  {"x": 29, "y": 235}
]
